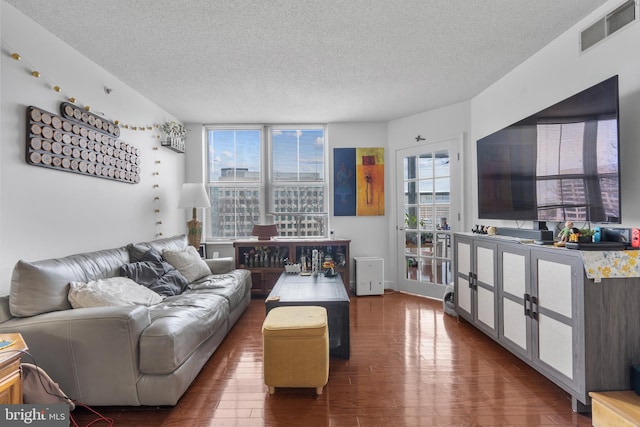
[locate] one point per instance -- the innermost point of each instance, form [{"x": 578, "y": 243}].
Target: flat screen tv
[{"x": 559, "y": 164}]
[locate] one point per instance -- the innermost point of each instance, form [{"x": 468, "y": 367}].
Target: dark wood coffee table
[{"x": 327, "y": 292}]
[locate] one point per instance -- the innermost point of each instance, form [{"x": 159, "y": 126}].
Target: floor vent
[{"x": 620, "y": 17}]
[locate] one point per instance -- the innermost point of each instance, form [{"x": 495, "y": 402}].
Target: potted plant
[
  {"x": 176, "y": 133},
  {"x": 174, "y": 129}
]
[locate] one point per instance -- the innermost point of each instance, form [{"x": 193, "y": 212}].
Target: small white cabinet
[{"x": 369, "y": 275}]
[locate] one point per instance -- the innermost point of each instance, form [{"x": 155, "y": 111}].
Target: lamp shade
[
  {"x": 264, "y": 232},
  {"x": 193, "y": 195}
]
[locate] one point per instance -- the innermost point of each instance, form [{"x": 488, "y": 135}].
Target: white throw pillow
[
  {"x": 188, "y": 262},
  {"x": 113, "y": 291}
]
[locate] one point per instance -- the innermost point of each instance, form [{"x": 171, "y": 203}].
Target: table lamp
[{"x": 194, "y": 195}]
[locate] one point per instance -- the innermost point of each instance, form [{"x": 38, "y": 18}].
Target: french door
[{"x": 428, "y": 211}]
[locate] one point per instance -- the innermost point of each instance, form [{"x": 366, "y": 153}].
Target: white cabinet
[
  {"x": 475, "y": 282},
  {"x": 369, "y": 275}
]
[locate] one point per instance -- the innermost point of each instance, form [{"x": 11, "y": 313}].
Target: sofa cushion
[
  {"x": 42, "y": 286},
  {"x": 234, "y": 286},
  {"x": 179, "y": 325},
  {"x": 113, "y": 291},
  {"x": 155, "y": 273},
  {"x": 188, "y": 262}
]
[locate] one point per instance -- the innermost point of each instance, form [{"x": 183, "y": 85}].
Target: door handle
[
  {"x": 527, "y": 305},
  {"x": 534, "y": 308}
]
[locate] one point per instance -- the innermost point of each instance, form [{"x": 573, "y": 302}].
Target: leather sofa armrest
[
  {"x": 80, "y": 348},
  {"x": 5, "y": 312},
  {"x": 221, "y": 265}
]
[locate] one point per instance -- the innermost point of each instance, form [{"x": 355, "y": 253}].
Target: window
[{"x": 267, "y": 174}]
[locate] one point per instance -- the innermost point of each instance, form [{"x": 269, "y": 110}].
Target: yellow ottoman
[{"x": 295, "y": 342}]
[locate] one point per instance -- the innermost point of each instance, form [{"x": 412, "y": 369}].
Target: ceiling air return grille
[{"x": 607, "y": 25}]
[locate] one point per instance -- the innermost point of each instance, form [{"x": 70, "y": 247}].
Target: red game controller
[{"x": 635, "y": 237}]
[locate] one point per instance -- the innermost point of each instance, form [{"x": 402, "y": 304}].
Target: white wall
[
  {"x": 451, "y": 122},
  {"x": 48, "y": 213},
  {"x": 557, "y": 72},
  {"x": 368, "y": 234}
]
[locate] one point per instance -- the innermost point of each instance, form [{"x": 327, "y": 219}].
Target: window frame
[{"x": 266, "y": 184}]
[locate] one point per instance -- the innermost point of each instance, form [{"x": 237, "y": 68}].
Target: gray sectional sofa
[{"x": 140, "y": 353}]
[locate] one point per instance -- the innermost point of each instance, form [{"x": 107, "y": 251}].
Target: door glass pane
[
  {"x": 426, "y": 166},
  {"x": 411, "y": 196},
  {"x": 410, "y": 168},
  {"x": 411, "y": 242},
  {"x": 426, "y": 270},
  {"x": 442, "y": 164},
  {"x": 411, "y": 268},
  {"x": 411, "y": 217}
]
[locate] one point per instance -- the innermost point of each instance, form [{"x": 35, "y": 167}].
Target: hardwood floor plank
[{"x": 410, "y": 365}]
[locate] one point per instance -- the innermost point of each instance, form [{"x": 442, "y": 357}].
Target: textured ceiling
[{"x": 299, "y": 61}]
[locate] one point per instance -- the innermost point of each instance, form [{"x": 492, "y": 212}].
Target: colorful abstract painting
[{"x": 358, "y": 175}]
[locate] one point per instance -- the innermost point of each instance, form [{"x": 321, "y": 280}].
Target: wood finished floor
[{"x": 411, "y": 365}]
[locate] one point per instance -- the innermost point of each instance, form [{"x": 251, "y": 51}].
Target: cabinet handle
[
  {"x": 527, "y": 302},
  {"x": 470, "y": 280},
  {"x": 534, "y": 306}
]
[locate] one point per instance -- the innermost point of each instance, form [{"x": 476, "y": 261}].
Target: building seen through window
[{"x": 245, "y": 189}]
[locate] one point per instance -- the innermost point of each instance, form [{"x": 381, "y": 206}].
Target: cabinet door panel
[
  {"x": 555, "y": 344},
  {"x": 485, "y": 262},
  {"x": 554, "y": 287},
  {"x": 464, "y": 294},
  {"x": 463, "y": 257},
  {"x": 486, "y": 307},
  {"x": 514, "y": 323},
  {"x": 514, "y": 273}
]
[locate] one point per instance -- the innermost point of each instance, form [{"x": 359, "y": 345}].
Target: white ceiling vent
[{"x": 623, "y": 15}]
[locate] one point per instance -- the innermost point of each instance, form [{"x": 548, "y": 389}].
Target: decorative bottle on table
[{"x": 315, "y": 262}]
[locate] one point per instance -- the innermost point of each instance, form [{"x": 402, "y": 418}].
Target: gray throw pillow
[{"x": 156, "y": 274}]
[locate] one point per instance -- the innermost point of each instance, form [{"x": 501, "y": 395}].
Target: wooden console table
[
  {"x": 265, "y": 258},
  {"x": 10, "y": 373}
]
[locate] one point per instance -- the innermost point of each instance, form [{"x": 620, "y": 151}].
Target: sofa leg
[
  {"x": 272, "y": 390},
  {"x": 319, "y": 391}
]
